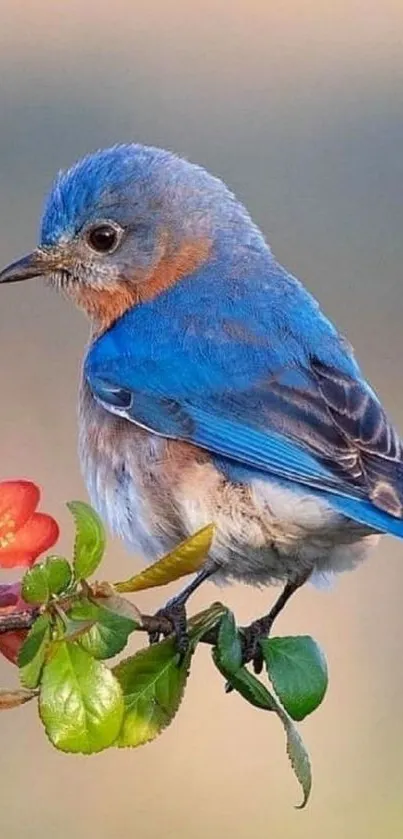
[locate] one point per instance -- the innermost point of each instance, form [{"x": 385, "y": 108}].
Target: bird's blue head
[{"x": 125, "y": 223}]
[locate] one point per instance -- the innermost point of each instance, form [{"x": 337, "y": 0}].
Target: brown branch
[
  {"x": 17, "y": 620},
  {"x": 150, "y": 623}
]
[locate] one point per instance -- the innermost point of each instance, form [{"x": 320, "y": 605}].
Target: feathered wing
[{"x": 313, "y": 421}]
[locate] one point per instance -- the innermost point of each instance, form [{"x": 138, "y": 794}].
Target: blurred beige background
[{"x": 298, "y": 105}]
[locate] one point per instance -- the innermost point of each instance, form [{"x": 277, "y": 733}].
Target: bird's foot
[
  {"x": 251, "y": 649},
  {"x": 174, "y": 616},
  {"x": 261, "y": 628}
]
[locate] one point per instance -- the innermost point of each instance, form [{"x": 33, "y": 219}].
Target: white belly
[{"x": 153, "y": 493}]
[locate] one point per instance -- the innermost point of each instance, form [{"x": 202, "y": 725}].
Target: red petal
[
  {"x": 18, "y": 500},
  {"x": 15, "y": 559},
  {"x": 37, "y": 535},
  {"x": 11, "y": 643}
]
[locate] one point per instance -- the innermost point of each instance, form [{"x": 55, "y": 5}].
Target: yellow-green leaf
[
  {"x": 80, "y": 703},
  {"x": 186, "y": 558},
  {"x": 153, "y": 683},
  {"x": 90, "y": 539}
]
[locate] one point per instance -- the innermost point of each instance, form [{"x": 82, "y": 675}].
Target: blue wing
[{"x": 266, "y": 385}]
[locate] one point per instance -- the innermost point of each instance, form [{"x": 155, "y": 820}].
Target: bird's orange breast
[{"x": 107, "y": 304}]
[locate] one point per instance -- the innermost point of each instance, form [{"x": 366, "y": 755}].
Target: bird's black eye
[{"x": 103, "y": 238}]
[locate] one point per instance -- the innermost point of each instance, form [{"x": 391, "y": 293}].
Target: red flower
[{"x": 24, "y": 534}]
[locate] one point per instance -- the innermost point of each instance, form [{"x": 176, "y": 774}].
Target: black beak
[{"x": 33, "y": 265}]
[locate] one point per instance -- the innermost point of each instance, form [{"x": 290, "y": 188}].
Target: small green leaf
[
  {"x": 80, "y": 703},
  {"x": 186, "y": 558},
  {"x": 35, "y": 585},
  {"x": 153, "y": 683},
  {"x": 254, "y": 692},
  {"x": 51, "y": 576},
  {"x": 32, "y": 654},
  {"x": 89, "y": 544},
  {"x": 297, "y": 669},
  {"x": 59, "y": 573},
  {"x": 109, "y": 632},
  {"x": 14, "y": 698},
  {"x": 229, "y": 645}
]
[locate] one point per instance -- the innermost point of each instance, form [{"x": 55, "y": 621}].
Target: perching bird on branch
[{"x": 214, "y": 389}]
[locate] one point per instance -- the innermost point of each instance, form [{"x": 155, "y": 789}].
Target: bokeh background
[{"x": 298, "y": 105}]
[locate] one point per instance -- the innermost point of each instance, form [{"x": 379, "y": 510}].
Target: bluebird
[{"x": 214, "y": 389}]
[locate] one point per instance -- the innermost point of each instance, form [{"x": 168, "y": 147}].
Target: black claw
[
  {"x": 175, "y": 614},
  {"x": 258, "y": 661},
  {"x": 252, "y": 651},
  {"x": 154, "y": 637}
]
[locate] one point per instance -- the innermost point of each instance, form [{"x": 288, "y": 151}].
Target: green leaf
[
  {"x": 153, "y": 683},
  {"x": 247, "y": 685},
  {"x": 299, "y": 758},
  {"x": 257, "y": 694},
  {"x": 89, "y": 543},
  {"x": 14, "y": 698},
  {"x": 114, "y": 603},
  {"x": 51, "y": 576},
  {"x": 229, "y": 645},
  {"x": 109, "y": 632},
  {"x": 202, "y": 622},
  {"x": 32, "y": 654},
  {"x": 186, "y": 558},
  {"x": 80, "y": 702},
  {"x": 297, "y": 669},
  {"x": 59, "y": 573},
  {"x": 35, "y": 585},
  {"x": 75, "y": 630}
]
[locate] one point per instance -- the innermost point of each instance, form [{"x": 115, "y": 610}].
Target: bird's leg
[
  {"x": 261, "y": 627},
  {"x": 175, "y": 610}
]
